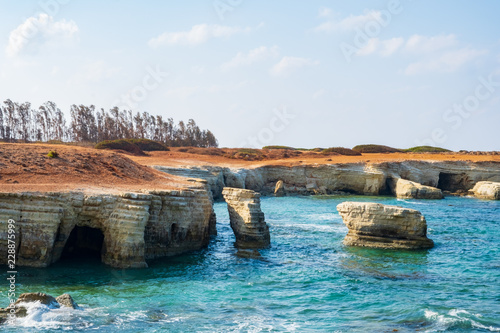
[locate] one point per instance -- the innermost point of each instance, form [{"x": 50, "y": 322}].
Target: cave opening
[
  {"x": 84, "y": 242},
  {"x": 452, "y": 181}
]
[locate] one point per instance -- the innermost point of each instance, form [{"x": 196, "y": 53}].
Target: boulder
[
  {"x": 279, "y": 190},
  {"x": 67, "y": 301},
  {"x": 383, "y": 226},
  {"x": 18, "y": 310},
  {"x": 246, "y": 218},
  {"x": 487, "y": 190},
  {"x": 406, "y": 189}
]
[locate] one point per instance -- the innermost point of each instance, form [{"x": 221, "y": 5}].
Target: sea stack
[
  {"x": 383, "y": 226},
  {"x": 246, "y": 218}
]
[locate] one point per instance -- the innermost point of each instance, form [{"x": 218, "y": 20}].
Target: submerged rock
[
  {"x": 383, "y": 226},
  {"x": 246, "y": 218},
  {"x": 407, "y": 189},
  {"x": 487, "y": 190}
]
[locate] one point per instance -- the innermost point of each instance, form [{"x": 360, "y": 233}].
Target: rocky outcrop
[
  {"x": 17, "y": 309},
  {"x": 487, "y": 190},
  {"x": 126, "y": 229},
  {"x": 382, "y": 226},
  {"x": 406, "y": 189},
  {"x": 358, "y": 178},
  {"x": 279, "y": 190},
  {"x": 246, "y": 218}
]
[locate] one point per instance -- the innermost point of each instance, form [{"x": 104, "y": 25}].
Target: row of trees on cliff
[{"x": 21, "y": 122}]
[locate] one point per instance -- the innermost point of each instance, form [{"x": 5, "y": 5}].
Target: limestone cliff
[
  {"x": 384, "y": 226},
  {"x": 358, "y": 178},
  {"x": 246, "y": 218},
  {"x": 126, "y": 229}
]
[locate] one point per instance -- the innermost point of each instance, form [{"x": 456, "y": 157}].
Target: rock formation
[
  {"x": 125, "y": 229},
  {"x": 383, "y": 226},
  {"x": 18, "y": 310},
  {"x": 487, "y": 190},
  {"x": 407, "y": 189},
  {"x": 359, "y": 178},
  {"x": 246, "y": 218},
  {"x": 279, "y": 190}
]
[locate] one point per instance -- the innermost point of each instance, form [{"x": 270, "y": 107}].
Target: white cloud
[
  {"x": 424, "y": 44},
  {"x": 349, "y": 23},
  {"x": 255, "y": 55},
  {"x": 447, "y": 62},
  {"x": 288, "y": 64},
  {"x": 325, "y": 12},
  {"x": 382, "y": 47},
  {"x": 40, "y": 30},
  {"x": 198, "y": 34}
]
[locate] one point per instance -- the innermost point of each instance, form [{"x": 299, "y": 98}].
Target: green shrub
[
  {"x": 341, "y": 151},
  {"x": 278, "y": 147},
  {"x": 53, "y": 154},
  {"x": 120, "y": 145},
  {"x": 426, "y": 149},
  {"x": 375, "y": 149},
  {"x": 148, "y": 145}
]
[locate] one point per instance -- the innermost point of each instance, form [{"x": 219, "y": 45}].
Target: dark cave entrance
[
  {"x": 84, "y": 242},
  {"x": 453, "y": 181}
]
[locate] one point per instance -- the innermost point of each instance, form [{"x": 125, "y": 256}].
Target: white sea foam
[
  {"x": 456, "y": 318},
  {"x": 47, "y": 317}
]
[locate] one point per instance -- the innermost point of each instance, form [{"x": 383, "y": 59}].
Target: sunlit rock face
[
  {"x": 123, "y": 229},
  {"x": 487, "y": 190},
  {"x": 246, "y": 218},
  {"x": 383, "y": 226}
]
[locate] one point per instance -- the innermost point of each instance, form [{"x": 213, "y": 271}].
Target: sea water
[{"x": 306, "y": 282}]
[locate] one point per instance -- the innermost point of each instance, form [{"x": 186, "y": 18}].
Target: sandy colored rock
[
  {"x": 383, "y": 226},
  {"x": 67, "y": 301},
  {"x": 279, "y": 190},
  {"x": 487, "y": 190},
  {"x": 134, "y": 226},
  {"x": 406, "y": 189},
  {"x": 246, "y": 218}
]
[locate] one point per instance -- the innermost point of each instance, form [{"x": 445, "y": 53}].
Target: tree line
[{"x": 19, "y": 122}]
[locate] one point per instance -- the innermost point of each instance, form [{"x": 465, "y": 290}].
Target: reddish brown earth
[{"x": 26, "y": 167}]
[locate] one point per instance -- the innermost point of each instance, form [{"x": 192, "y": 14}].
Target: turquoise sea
[{"x": 306, "y": 282}]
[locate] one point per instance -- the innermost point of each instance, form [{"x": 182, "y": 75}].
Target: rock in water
[
  {"x": 487, "y": 190},
  {"x": 411, "y": 190},
  {"x": 67, "y": 301},
  {"x": 279, "y": 189},
  {"x": 383, "y": 226},
  {"x": 37, "y": 297},
  {"x": 246, "y": 218}
]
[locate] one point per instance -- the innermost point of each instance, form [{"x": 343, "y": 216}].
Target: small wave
[
  {"x": 456, "y": 318},
  {"x": 43, "y": 316}
]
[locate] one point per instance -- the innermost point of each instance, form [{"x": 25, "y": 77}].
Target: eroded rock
[
  {"x": 407, "y": 189},
  {"x": 487, "y": 190},
  {"x": 246, "y": 218},
  {"x": 384, "y": 226}
]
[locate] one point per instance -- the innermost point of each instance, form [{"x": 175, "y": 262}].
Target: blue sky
[{"x": 298, "y": 73}]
